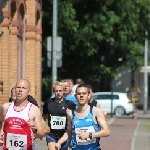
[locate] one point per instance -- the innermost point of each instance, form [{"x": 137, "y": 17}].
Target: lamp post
[
  {"x": 145, "y": 73},
  {"x": 54, "y": 43}
]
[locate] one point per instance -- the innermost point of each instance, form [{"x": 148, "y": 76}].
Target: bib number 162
[{"x": 16, "y": 143}]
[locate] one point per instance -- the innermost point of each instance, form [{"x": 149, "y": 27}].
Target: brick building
[{"x": 20, "y": 46}]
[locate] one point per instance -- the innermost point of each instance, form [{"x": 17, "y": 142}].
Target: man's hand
[
  {"x": 83, "y": 135},
  {"x": 32, "y": 125},
  {"x": 58, "y": 145},
  {"x": 46, "y": 128},
  {"x": 67, "y": 111}
]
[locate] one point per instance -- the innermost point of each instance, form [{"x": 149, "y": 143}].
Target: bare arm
[
  {"x": 101, "y": 121},
  {"x": 67, "y": 134},
  {"x": 138, "y": 91},
  {"x": 38, "y": 121},
  {"x": 98, "y": 105},
  {"x": 99, "y": 117},
  {"x": 3, "y": 110},
  {"x": 46, "y": 128},
  {"x": 1, "y": 118},
  {"x": 1, "y": 113}
]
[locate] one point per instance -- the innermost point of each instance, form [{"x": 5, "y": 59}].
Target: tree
[{"x": 99, "y": 36}]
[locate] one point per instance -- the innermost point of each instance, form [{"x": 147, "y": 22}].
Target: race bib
[
  {"x": 58, "y": 122},
  {"x": 88, "y": 140},
  {"x": 16, "y": 141}
]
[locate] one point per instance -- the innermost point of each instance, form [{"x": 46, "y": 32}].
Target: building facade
[{"x": 20, "y": 46}]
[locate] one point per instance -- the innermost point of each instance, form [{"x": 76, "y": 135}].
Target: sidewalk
[
  {"x": 121, "y": 133},
  {"x": 128, "y": 133},
  {"x": 141, "y": 138},
  {"x": 141, "y": 115}
]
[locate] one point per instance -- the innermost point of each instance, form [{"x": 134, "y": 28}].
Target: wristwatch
[
  {"x": 90, "y": 135},
  {"x": 35, "y": 131}
]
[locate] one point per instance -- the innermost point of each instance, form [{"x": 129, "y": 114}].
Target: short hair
[
  {"x": 70, "y": 80},
  {"x": 57, "y": 83},
  {"x": 83, "y": 85},
  {"x": 90, "y": 87},
  {"x": 65, "y": 80}
]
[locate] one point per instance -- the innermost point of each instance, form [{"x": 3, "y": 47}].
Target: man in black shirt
[
  {"x": 55, "y": 110},
  {"x": 92, "y": 102}
]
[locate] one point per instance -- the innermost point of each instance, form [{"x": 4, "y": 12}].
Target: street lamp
[
  {"x": 2, "y": 5},
  {"x": 145, "y": 73},
  {"x": 54, "y": 42}
]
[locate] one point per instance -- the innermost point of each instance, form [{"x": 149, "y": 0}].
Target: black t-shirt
[
  {"x": 94, "y": 103},
  {"x": 30, "y": 99},
  {"x": 54, "y": 111}
]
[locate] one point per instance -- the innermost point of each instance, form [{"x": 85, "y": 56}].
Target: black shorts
[{"x": 51, "y": 139}]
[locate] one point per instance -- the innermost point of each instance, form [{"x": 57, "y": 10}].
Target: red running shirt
[{"x": 17, "y": 132}]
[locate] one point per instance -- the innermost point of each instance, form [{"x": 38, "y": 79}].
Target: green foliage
[
  {"x": 46, "y": 87},
  {"x": 97, "y": 34}
]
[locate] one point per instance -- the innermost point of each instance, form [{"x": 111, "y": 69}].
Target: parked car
[{"x": 121, "y": 103}]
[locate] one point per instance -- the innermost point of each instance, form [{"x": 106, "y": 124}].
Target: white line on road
[{"x": 134, "y": 136}]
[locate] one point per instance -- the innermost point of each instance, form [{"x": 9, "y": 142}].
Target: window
[
  {"x": 96, "y": 97},
  {"x": 105, "y": 96}
]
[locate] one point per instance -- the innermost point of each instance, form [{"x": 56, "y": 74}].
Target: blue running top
[{"x": 88, "y": 125}]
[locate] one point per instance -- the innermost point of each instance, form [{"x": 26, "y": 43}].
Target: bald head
[
  {"x": 22, "y": 89},
  {"x": 24, "y": 81}
]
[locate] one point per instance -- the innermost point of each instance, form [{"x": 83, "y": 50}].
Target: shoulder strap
[{"x": 91, "y": 110}]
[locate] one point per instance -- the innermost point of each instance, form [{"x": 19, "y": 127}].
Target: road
[
  {"x": 126, "y": 134},
  {"x": 121, "y": 133}
]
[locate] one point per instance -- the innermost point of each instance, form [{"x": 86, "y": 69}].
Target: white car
[{"x": 120, "y": 102}]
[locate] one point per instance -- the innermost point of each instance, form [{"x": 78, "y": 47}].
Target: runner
[
  {"x": 55, "y": 110},
  {"x": 13, "y": 97},
  {"x": 92, "y": 102},
  {"x": 22, "y": 120},
  {"x": 133, "y": 94},
  {"x": 87, "y": 124},
  {"x": 13, "y": 94}
]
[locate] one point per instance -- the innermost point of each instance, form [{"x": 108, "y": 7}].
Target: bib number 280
[
  {"x": 16, "y": 141},
  {"x": 58, "y": 122}
]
